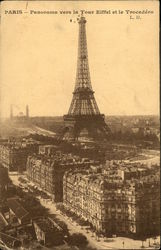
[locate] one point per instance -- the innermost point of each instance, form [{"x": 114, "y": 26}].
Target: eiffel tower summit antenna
[{"x": 84, "y": 120}]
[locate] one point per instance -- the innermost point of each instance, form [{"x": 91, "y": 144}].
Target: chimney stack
[
  {"x": 11, "y": 111},
  {"x": 27, "y": 111}
]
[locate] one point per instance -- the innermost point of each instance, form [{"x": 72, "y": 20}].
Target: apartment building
[
  {"x": 13, "y": 154},
  {"x": 113, "y": 205},
  {"x": 47, "y": 171}
]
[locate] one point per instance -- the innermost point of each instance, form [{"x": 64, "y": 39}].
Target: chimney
[
  {"x": 27, "y": 111},
  {"x": 11, "y": 111}
]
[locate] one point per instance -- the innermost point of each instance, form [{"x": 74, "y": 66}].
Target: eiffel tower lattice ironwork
[{"x": 84, "y": 118}]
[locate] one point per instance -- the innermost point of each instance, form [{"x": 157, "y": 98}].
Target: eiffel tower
[{"x": 84, "y": 120}]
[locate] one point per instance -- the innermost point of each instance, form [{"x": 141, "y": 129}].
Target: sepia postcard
[{"x": 79, "y": 125}]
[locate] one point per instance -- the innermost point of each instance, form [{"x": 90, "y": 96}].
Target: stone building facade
[
  {"x": 13, "y": 155},
  {"x": 47, "y": 171},
  {"x": 114, "y": 206}
]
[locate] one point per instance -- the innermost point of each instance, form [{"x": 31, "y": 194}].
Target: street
[{"x": 101, "y": 243}]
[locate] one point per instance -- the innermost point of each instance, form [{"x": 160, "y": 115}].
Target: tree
[
  {"x": 77, "y": 239},
  {"x": 143, "y": 238},
  {"x": 4, "y": 179}
]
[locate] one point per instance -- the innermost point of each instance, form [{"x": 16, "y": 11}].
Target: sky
[{"x": 39, "y": 57}]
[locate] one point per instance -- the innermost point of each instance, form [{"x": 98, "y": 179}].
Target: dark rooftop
[
  {"x": 16, "y": 207},
  {"x": 47, "y": 225}
]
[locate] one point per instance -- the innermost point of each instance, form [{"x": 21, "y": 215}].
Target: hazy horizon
[{"x": 61, "y": 116}]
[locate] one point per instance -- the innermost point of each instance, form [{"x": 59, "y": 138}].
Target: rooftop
[
  {"x": 16, "y": 207},
  {"x": 47, "y": 225}
]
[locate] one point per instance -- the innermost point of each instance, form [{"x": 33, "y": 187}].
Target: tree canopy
[{"x": 4, "y": 179}]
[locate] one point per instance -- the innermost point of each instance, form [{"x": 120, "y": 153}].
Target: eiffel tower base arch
[{"x": 84, "y": 128}]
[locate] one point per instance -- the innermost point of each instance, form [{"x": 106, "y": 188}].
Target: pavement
[{"x": 101, "y": 243}]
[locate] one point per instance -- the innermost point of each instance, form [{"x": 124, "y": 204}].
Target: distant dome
[{"x": 21, "y": 114}]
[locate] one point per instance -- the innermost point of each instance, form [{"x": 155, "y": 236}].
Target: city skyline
[{"x": 39, "y": 64}]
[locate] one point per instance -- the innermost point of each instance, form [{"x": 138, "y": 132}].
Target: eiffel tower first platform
[{"x": 84, "y": 120}]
